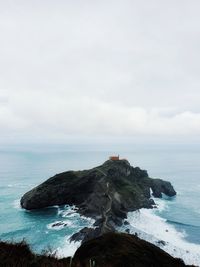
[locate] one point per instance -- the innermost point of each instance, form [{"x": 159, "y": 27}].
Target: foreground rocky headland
[
  {"x": 108, "y": 250},
  {"x": 105, "y": 193}
]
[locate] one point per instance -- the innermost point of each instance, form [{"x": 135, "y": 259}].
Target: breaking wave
[
  {"x": 160, "y": 232},
  {"x": 70, "y": 217}
]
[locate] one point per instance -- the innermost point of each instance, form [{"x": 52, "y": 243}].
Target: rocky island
[{"x": 105, "y": 193}]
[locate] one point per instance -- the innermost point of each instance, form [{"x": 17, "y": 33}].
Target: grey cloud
[{"x": 100, "y": 67}]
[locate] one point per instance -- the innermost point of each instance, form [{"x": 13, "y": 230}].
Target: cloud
[
  {"x": 39, "y": 115},
  {"x": 108, "y": 68}
]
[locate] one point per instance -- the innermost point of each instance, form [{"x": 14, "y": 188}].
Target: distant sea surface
[{"x": 176, "y": 221}]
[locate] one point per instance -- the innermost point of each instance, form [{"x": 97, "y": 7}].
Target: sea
[{"x": 174, "y": 225}]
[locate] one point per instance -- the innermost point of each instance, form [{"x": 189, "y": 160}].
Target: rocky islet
[{"x": 105, "y": 193}]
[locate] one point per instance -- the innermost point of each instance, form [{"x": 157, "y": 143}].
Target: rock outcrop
[
  {"x": 117, "y": 250},
  {"x": 105, "y": 193},
  {"x": 108, "y": 250}
]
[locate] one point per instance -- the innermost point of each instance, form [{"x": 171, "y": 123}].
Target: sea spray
[{"x": 151, "y": 227}]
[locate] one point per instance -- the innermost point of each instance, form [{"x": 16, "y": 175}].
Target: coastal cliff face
[{"x": 105, "y": 193}]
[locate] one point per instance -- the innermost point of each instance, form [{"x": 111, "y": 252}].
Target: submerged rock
[
  {"x": 105, "y": 193},
  {"x": 59, "y": 224}
]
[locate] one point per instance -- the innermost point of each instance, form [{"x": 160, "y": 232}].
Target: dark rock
[
  {"x": 161, "y": 242},
  {"x": 98, "y": 222},
  {"x": 127, "y": 231},
  {"x": 117, "y": 250},
  {"x": 85, "y": 234},
  {"x": 57, "y": 224},
  {"x": 20, "y": 255},
  {"x": 110, "y": 250},
  {"x": 159, "y": 186}
]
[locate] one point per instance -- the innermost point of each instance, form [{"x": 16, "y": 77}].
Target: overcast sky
[{"x": 97, "y": 69}]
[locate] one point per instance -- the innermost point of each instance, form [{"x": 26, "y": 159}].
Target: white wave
[
  {"x": 67, "y": 213},
  {"x": 78, "y": 222},
  {"x": 161, "y": 204},
  {"x": 55, "y": 206},
  {"x": 148, "y": 222},
  {"x": 68, "y": 249},
  {"x": 153, "y": 228},
  {"x": 16, "y": 204},
  {"x": 72, "y": 207},
  {"x": 89, "y": 220},
  {"x": 19, "y": 185},
  {"x": 71, "y": 213},
  {"x": 67, "y": 210}
]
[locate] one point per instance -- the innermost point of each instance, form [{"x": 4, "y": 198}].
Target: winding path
[{"x": 107, "y": 207}]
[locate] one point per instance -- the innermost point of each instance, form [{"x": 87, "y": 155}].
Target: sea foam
[
  {"x": 68, "y": 248},
  {"x": 16, "y": 204},
  {"x": 152, "y": 228},
  {"x": 70, "y": 215}
]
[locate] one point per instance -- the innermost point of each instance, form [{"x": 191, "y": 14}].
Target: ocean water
[{"x": 176, "y": 220}]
